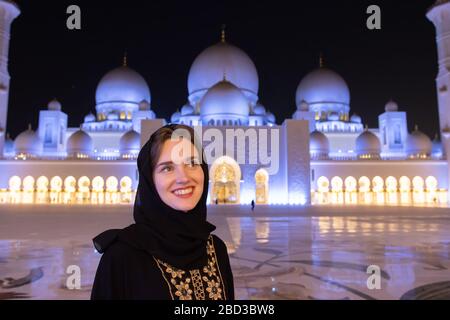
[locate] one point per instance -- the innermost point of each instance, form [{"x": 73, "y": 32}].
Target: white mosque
[{"x": 325, "y": 154}]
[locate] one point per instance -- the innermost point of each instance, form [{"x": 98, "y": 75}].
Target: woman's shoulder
[{"x": 121, "y": 253}]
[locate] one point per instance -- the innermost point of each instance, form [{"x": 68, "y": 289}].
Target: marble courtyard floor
[{"x": 280, "y": 252}]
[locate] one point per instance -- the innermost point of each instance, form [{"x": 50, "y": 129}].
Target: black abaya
[{"x": 125, "y": 272}]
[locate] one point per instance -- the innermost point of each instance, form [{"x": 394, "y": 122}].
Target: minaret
[
  {"x": 8, "y": 12},
  {"x": 439, "y": 14}
]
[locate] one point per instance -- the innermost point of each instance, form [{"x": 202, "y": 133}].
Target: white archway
[
  {"x": 262, "y": 186},
  {"x": 364, "y": 184},
  {"x": 323, "y": 184},
  {"x": 225, "y": 175},
  {"x": 391, "y": 184},
  {"x": 42, "y": 184},
  {"x": 405, "y": 184},
  {"x": 350, "y": 184},
  {"x": 337, "y": 184}
]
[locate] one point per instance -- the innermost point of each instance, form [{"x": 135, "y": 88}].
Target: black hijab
[{"x": 173, "y": 236}]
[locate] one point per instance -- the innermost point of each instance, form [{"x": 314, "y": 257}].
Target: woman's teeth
[{"x": 183, "y": 191}]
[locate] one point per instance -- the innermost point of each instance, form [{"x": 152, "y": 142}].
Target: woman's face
[{"x": 178, "y": 175}]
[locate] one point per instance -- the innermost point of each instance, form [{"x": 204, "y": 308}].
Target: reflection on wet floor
[{"x": 273, "y": 256}]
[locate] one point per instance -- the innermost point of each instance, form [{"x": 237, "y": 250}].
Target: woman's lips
[{"x": 184, "y": 192}]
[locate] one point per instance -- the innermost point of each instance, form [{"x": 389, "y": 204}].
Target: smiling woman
[
  {"x": 178, "y": 176},
  {"x": 169, "y": 253}
]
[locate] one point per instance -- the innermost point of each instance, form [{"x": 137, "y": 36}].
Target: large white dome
[
  {"x": 323, "y": 86},
  {"x": 222, "y": 58},
  {"x": 224, "y": 99},
  {"x": 28, "y": 143},
  {"x": 122, "y": 85},
  {"x": 79, "y": 142}
]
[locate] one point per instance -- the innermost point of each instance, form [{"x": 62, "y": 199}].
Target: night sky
[{"x": 283, "y": 39}]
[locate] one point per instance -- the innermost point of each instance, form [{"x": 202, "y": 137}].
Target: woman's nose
[{"x": 181, "y": 175}]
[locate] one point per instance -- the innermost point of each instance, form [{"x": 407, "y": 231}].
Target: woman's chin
[{"x": 183, "y": 206}]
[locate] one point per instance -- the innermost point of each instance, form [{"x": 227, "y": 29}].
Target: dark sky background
[{"x": 163, "y": 37}]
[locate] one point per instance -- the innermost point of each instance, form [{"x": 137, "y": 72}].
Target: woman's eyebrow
[
  {"x": 171, "y": 162},
  {"x": 164, "y": 163}
]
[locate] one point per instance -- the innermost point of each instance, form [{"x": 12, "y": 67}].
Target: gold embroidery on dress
[
  {"x": 183, "y": 287},
  {"x": 184, "y": 291},
  {"x": 218, "y": 268},
  {"x": 198, "y": 284},
  {"x": 162, "y": 272}
]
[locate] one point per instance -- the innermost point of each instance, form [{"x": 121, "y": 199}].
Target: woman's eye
[
  {"x": 166, "y": 169},
  {"x": 193, "y": 163}
]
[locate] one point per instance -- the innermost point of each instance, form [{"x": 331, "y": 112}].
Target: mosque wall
[
  {"x": 384, "y": 169},
  {"x": 342, "y": 141},
  {"x": 63, "y": 169}
]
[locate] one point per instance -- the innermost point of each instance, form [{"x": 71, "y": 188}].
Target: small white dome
[
  {"x": 304, "y": 106},
  {"x": 318, "y": 143},
  {"x": 28, "y": 143},
  {"x": 418, "y": 143},
  {"x": 355, "y": 118},
  {"x": 323, "y": 86},
  {"x": 224, "y": 98},
  {"x": 391, "y": 106},
  {"x": 270, "y": 117},
  {"x": 259, "y": 109},
  {"x": 187, "y": 109},
  {"x": 211, "y": 64},
  {"x": 144, "y": 105},
  {"x": 334, "y": 116},
  {"x": 175, "y": 117},
  {"x": 368, "y": 143},
  {"x": 122, "y": 84},
  {"x": 130, "y": 142},
  {"x": 89, "y": 118},
  {"x": 79, "y": 142},
  {"x": 54, "y": 105}
]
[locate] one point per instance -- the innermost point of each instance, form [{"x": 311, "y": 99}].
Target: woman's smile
[{"x": 184, "y": 192}]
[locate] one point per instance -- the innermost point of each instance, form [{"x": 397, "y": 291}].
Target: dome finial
[
  {"x": 224, "y": 75},
  {"x": 366, "y": 127},
  {"x": 222, "y": 36},
  {"x": 125, "y": 59},
  {"x": 416, "y": 127},
  {"x": 29, "y": 126},
  {"x": 321, "y": 60}
]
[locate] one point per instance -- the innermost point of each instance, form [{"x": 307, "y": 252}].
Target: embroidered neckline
[{"x": 202, "y": 284}]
